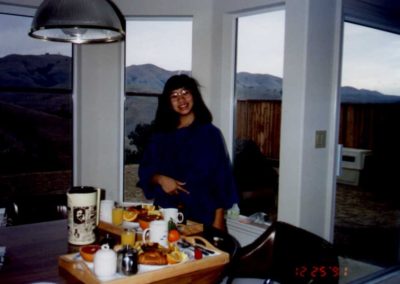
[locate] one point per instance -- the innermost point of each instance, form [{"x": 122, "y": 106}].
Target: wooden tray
[{"x": 209, "y": 269}]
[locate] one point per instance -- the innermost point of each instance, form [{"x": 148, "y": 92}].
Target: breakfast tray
[{"x": 209, "y": 269}]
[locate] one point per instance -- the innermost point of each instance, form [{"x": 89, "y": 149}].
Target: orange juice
[
  {"x": 128, "y": 237},
  {"x": 117, "y": 214}
]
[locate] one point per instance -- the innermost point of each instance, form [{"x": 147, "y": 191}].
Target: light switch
[{"x": 320, "y": 139}]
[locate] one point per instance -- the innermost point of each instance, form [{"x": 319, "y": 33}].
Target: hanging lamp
[{"x": 78, "y": 21}]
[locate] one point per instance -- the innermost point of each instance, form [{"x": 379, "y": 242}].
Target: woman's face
[{"x": 181, "y": 101}]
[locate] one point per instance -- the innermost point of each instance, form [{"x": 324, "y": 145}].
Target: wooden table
[{"x": 32, "y": 252}]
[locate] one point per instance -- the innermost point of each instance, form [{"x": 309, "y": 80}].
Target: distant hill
[
  {"x": 52, "y": 71},
  {"x": 36, "y": 71},
  {"x": 148, "y": 78}
]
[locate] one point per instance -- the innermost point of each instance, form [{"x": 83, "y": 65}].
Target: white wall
[
  {"x": 310, "y": 96},
  {"x": 98, "y": 109}
]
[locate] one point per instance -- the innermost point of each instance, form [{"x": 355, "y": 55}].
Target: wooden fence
[{"x": 365, "y": 126}]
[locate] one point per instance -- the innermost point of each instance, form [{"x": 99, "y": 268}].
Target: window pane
[
  {"x": 366, "y": 220},
  {"x": 258, "y": 110},
  {"x": 31, "y": 63},
  {"x": 156, "y": 49},
  {"x": 35, "y": 116}
]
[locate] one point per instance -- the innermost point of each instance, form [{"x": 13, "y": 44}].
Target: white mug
[
  {"x": 172, "y": 213},
  {"x": 106, "y": 207},
  {"x": 157, "y": 232}
]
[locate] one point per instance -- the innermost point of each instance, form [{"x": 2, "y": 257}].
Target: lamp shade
[{"x": 78, "y": 21}]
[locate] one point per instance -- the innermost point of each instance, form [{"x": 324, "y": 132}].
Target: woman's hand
[{"x": 170, "y": 185}]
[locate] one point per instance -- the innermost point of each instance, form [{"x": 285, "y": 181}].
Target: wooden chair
[{"x": 288, "y": 255}]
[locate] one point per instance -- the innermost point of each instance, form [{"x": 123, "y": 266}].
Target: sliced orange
[
  {"x": 129, "y": 216},
  {"x": 174, "y": 257}
]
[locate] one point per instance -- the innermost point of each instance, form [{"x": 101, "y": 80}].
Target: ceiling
[{"x": 383, "y": 14}]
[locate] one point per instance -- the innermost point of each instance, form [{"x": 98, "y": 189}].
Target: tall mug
[
  {"x": 157, "y": 232},
  {"x": 106, "y": 207},
  {"x": 83, "y": 214},
  {"x": 172, "y": 213}
]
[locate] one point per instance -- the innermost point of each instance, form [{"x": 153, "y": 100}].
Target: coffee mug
[
  {"x": 157, "y": 232},
  {"x": 106, "y": 207},
  {"x": 172, "y": 213}
]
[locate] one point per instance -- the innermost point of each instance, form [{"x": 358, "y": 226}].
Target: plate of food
[
  {"x": 152, "y": 256},
  {"x": 140, "y": 215}
]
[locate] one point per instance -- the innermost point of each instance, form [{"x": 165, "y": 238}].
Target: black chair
[
  {"x": 38, "y": 208},
  {"x": 288, "y": 255}
]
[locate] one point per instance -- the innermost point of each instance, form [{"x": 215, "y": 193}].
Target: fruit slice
[
  {"x": 129, "y": 216},
  {"x": 88, "y": 252},
  {"x": 174, "y": 257}
]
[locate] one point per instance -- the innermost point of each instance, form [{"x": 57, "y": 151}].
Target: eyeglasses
[{"x": 175, "y": 95}]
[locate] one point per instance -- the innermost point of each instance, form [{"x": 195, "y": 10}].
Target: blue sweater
[{"x": 196, "y": 155}]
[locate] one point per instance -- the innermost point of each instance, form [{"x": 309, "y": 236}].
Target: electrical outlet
[{"x": 320, "y": 139}]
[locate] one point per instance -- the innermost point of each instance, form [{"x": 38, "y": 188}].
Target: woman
[{"x": 186, "y": 162}]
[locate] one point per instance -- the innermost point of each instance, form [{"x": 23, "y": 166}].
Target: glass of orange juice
[
  {"x": 117, "y": 214},
  {"x": 128, "y": 237}
]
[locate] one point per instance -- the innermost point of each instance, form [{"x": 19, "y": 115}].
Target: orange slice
[
  {"x": 129, "y": 216},
  {"x": 174, "y": 257}
]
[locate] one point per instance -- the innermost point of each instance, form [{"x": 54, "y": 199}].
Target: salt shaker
[{"x": 105, "y": 262}]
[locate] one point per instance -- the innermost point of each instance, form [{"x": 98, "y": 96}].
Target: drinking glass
[
  {"x": 128, "y": 237},
  {"x": 117, "y": 215}
]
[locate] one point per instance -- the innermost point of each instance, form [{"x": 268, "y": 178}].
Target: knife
[{"x": 203, "y": 250}]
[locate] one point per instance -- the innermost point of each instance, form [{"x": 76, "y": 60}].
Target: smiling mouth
[{"x": 183, "y": 106}]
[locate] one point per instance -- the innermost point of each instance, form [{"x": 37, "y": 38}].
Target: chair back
[
  {"x": 38, "y": 208},
  {"x": 289, "y": 255}
]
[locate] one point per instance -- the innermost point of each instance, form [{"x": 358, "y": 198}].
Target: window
[
  {"x": 156, "y": 49},
  {"x": 36, "y": 113},
  {"x": 366, "y": 222},
  {"x": 258, "y": 110}
]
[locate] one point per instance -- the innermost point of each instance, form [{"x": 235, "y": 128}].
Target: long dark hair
[{"x": 166, "y": 118}]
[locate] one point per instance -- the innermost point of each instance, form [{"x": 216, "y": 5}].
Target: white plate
[
  {"x": 130, "y": 225},
  {"x": 145, "y": 268}
]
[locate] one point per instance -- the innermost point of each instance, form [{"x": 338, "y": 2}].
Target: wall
[{"x": 310, "y": 100}]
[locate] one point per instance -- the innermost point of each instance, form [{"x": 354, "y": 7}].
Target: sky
[
  {"x": 371, "y": 58},
  {"x": 14, "y": 39}
]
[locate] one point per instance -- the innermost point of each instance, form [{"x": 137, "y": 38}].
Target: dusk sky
[{"x": 260, "y": 47}]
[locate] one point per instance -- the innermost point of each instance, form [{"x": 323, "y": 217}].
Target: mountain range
[{"x": 54, "y": 71}]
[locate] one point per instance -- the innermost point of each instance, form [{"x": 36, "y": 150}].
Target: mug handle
[
  {"x": 144, "y": 235},
  {"x": 180, "y": 217}
]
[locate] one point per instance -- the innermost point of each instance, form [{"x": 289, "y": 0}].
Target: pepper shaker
[{"x": 127, "y": 260}]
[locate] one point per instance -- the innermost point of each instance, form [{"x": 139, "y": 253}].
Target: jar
[
  {"x": 105, "y": 262},
  {"x": 127, "y": 260}
]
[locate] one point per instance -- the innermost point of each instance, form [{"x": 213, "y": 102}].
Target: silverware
[{"x": 186, "y": 244}]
